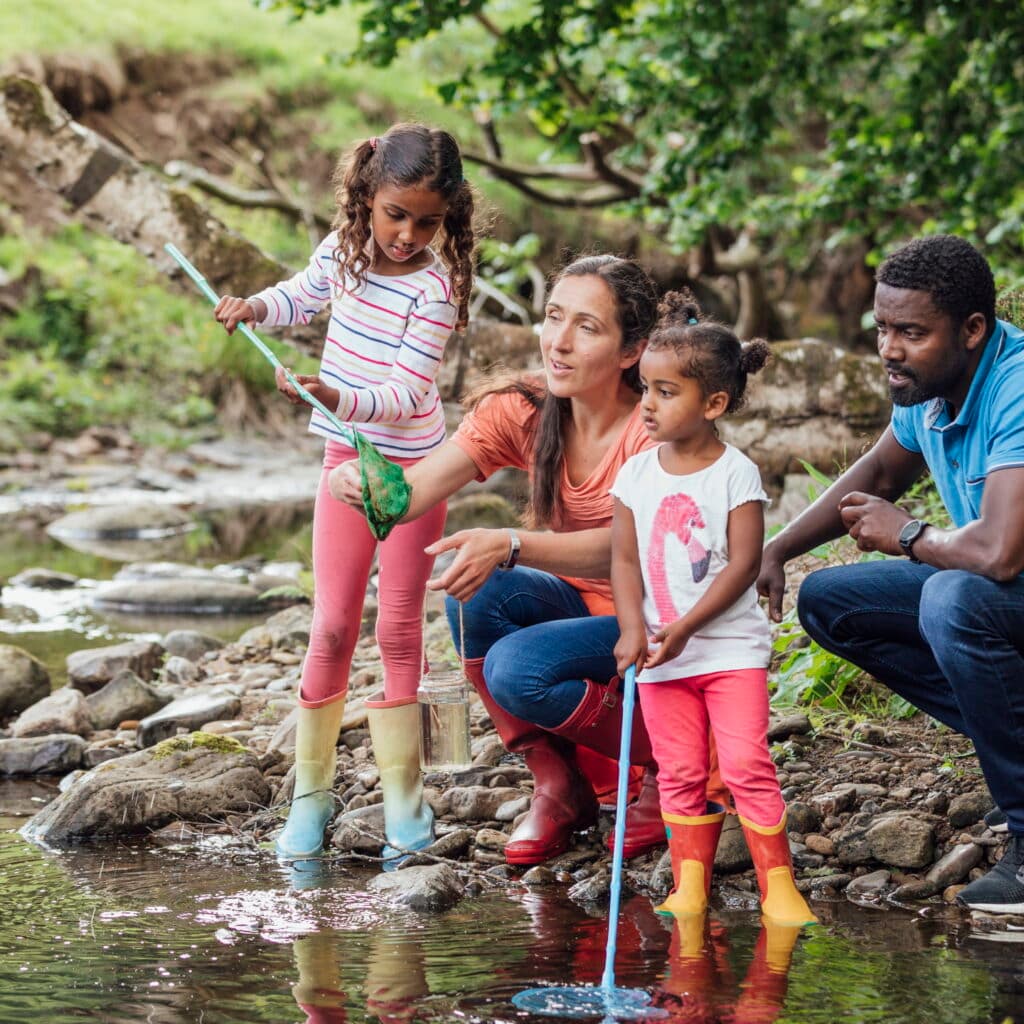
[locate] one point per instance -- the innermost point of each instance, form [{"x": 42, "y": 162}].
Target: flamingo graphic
[{"x": 678, "y": 514}]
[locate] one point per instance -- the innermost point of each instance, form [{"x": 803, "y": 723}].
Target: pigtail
[
  {"x": 753, "y": 355},
  {"x": 353, "y": 190},
  {"x": 458, "y": 249}
]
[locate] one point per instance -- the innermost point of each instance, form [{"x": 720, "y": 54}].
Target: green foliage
[{"x": 820, "y": 121}]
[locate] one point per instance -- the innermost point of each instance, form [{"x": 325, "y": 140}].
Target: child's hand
[
  {"x": 671, "y": 640},
  {"x": 231, "y": 312},
  {"x": 345, "y": 484},
  {"x": 319, "y": 390},
  {"x": 631, "y": 650},
  {"x": 281, "y": 380}
]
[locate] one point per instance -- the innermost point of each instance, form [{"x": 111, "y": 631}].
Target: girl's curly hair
[
  {"x": 707, "y": 351},
  {"x": 406, "y": 155}
]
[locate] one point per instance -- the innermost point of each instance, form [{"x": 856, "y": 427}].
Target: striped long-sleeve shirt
[{"x": 383, "y": 348}]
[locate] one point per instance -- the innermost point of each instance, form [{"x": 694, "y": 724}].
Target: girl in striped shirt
[{"x": 394, "y": 303}]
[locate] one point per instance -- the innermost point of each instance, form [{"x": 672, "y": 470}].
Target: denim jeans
[
  {"x": 538, "y": 640},
  {"x": 950, "y": 642}
]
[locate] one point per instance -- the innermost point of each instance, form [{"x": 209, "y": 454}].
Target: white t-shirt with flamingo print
[{"x": 681, "y": 525}]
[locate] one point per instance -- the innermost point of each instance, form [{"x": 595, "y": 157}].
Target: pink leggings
[
  {"x": 343, "y": 550},
  {"x": 677, "y": 714}
]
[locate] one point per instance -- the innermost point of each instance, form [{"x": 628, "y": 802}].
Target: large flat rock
[{"x": 189, "y": 778}]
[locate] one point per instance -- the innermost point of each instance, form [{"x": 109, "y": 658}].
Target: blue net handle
[{"x": 204, "y": 286}]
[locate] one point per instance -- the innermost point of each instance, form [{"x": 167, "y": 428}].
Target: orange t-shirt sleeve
[{"x": 498, "y": 433}]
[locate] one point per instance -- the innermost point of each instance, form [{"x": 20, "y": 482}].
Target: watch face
[{"x": 910, "y": 533}]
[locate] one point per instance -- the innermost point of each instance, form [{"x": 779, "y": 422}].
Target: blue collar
[{"x": 936, "y": 415}]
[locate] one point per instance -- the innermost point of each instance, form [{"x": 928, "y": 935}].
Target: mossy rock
[{"x": 194, "y": 740}]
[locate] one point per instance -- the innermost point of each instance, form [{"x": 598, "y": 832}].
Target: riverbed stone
[
  {"x": 179, "y": 671},
  {"x": 64, "y": 711},
  {"x": 870, "y": 886},
  {"x": 480, "y": 803},
  {"x": 837, "y": 800},
  {"x": 802, "y": 817},
  {"x": 967, "y": 808},
  {"x": 125, "y": 698},
  {"x": 121, "y": 522},
  {"x": 90, "y": 670},
  {"x": 903, "y": 839},
  {"x": 288, "y": 628},
  {"x": 23, "y": 680},
  {"x": 182, "y": 596},
  {"x": 955, "y": 865},
  {"x": 360, "y": 830},
  {"x": 425, "y": 889},
  {"x": 732, "y": 853},
  {"x": 190, "y": 712},
  {"x": 190, "y": 644},
  {"x": 41, "y": 755},
  {"x": 194, "y": 778},
  {"x": 851, "y": 843},
  {"x": 784, "y": 726},
  {"x": 44, "y": 579}
]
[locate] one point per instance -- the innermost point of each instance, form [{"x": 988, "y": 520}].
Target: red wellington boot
[
  {"x": 563, "y": 800},
  {"x": 596, "y": 723}
]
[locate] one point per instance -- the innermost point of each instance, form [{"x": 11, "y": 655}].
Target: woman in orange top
[{"x": 540, "y": 632}]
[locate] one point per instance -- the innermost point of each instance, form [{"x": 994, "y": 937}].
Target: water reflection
[{"x": 222, "y": 935}]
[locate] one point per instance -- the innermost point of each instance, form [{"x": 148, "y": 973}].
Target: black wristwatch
[{"x": 908, "y": 535}]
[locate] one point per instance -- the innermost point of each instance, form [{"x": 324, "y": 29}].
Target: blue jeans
[
  {"x": 538, "y": 640},
  {"x": 950, "y": 642}
]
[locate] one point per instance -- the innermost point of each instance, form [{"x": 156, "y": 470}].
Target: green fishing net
[{"x": 386, "y": 493}]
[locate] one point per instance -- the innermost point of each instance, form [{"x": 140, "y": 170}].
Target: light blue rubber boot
[
  {"x": 316, "y": 740},
  {"x": 408, "y": 820}
]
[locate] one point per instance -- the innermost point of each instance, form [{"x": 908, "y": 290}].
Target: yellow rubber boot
[
  {"x": 692, "y": 842},
  {"x": 408, "y": 821},
  {"x": 769, "y": 849},
  {"x": 316, "y": 741},
  {"x": 318, "y": 991}
]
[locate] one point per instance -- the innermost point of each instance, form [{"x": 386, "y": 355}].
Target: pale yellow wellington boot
[
  {"x": 318, "y": 991},
  {"x": 316, "y": 741},
  {"x": 395, "y": 731}
]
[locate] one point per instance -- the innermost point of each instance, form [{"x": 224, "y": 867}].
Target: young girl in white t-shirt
[{"x": 686, "y": 549}]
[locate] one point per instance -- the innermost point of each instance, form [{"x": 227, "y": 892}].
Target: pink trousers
[
  {"x": 343, "y": 550},
  {"x": 735, "y": 703}
]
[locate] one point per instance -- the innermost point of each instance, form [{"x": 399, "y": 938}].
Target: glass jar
[{"x": 444, "y": 721}]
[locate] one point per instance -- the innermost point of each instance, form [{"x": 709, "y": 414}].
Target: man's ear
[{"x": 976, "y": 330}]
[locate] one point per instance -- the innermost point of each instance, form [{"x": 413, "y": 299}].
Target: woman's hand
[
  {"x": 479, "y": 553},
  {"x": 346, "y": 484},
  {"x": 631, "y": 650},
  {"x": 671, "y": 640},
  {"x": 232, "y": 311}
]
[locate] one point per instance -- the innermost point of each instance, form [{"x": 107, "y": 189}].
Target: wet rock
[
  {"x": 851, "y": 843},
  {"x": 121, "y": 522},
  {"x": 125, "y": 698},
  {"x": 487, "y": 751},
  {"x": 90, "y": 670},
  {"x": 64, "y": 711},
  {"x": 903, "y": 839},
  {"x": 288, "y": 628},
  {"x": 41, "y": 755},
  {"x": 820, "y": 844},
  {"x": 189, "y": 777},
  {"x": 189, "y": 597},
  {"x": 360, "y": 831},
  {"x": 538, "y": 876},
  {"x": 955, "y": 865},
  {"x": 591, "y": 889},
  {"x": 788, "y": 725},
  {"x": 967, "y": 808},
  {"x": 479, "y": 803},
  {"x": 191, "y": 713},
  {"x": 870, "y": 886},
  {"x": 914, "y": 889},
  {"x": 190, "y": 644},
  {"x": 511, "y": 809},
  {"x": 424, "y": 889},
  {"x": 23, "y": 680},
  {"x": 98, "y": 753},
  {"x": 451, "y": 844},
  {"x": 179, "y": 671},
  {"x": 802, "y": 817},
  {"x": 44, "y": 579},
  {"x": 732, "y": 854}
]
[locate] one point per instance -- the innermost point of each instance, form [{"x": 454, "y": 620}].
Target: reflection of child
[
  {"x": 394, "y": 303},
  {"x": 687, "y": 536}
]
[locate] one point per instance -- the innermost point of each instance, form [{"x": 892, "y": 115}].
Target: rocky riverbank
[{"x": 188, "y": 739}]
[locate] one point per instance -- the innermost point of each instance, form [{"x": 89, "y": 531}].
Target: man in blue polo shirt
[{"x": 943, "y": 625}]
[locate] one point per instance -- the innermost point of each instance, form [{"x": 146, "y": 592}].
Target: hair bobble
[
  {"x": 373, "y": 143},
  {"x": 692, "y": 320}
]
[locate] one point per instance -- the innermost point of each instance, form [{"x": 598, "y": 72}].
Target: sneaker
[
  {"x": 995, "y": 820},
  {"x": 1001, "y": 891}
]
